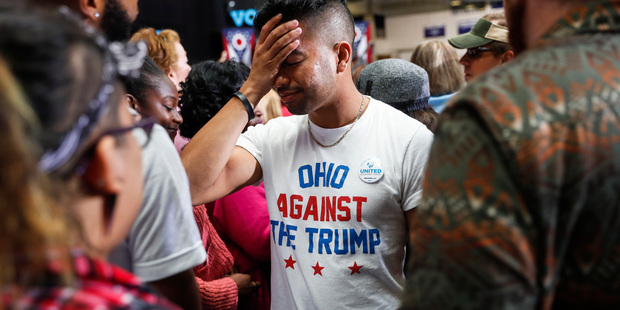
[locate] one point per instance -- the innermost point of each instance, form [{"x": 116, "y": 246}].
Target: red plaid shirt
[{"x": 99, "y": 286}]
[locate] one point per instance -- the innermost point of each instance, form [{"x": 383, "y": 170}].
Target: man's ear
[
  {"x": 508, "y": 56},
  {"x": 102, "y": 174},
  {"x": 92, "y": 9},
  {"x": 345, "y": 53}
]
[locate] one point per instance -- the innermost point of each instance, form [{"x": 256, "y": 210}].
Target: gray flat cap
[{"x": 397, "y": 82}]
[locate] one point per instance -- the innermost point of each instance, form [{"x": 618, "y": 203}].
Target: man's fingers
[
  {"x": 275, "y": 34},
  {"x": 285, "y": 51},
  {"x": 276, "y": 44},
  {"x": 267, "y": 27},
  {"x": 285, "y": 44}
]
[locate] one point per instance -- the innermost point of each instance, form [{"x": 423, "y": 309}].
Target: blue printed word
[
  {"x": 322, "y": 175},
  {"x": 328, "y": 241},
  {"x": 240, "y": 16},
  {"x": 343, "y": 241},
  {"x": 286, "y": 231}
]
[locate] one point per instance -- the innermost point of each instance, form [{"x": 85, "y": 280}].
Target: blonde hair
[
  {"x": 160, "y": 46},
  {"x": 441, "y": 62},
  {"x": 170, "y": 35},
  {"x": 34, "y": 226}
]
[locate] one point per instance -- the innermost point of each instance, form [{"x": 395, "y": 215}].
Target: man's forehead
[
  {"x": 305, "y": 39},
  {"x": 311, "y": 36}
]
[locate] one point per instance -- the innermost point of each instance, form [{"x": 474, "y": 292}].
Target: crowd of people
[{"x": 132, "y": 180}]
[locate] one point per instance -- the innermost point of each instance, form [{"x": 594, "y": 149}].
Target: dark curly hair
[{"x": 209, "y": 86}]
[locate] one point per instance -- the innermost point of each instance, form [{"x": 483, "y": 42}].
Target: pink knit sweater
[{"x": 217, "y": 291}]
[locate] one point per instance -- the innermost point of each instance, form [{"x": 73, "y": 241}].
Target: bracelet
[{"x": 247, "y": 105}]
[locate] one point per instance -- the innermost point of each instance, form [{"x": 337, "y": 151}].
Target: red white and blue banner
[
  {"x": 239, "y": 44},
  {"x": 361, "y": 44}
]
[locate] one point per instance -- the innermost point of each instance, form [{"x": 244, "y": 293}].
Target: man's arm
[
  {"x": 214, "y": 165},
  {"x": 180, "y": 288},
  {"x": 472, "y": 236}
]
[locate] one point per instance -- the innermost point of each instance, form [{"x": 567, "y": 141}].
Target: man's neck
[{"x": 342, "y": 110}]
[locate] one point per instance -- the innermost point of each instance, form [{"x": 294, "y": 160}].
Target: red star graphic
[
  {"x": 317, "y": 269},
  {"x": 290, "y": 262},
  {"x": 355, "y": 268}
]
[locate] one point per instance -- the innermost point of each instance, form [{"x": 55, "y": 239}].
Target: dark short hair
[
  {"x": 209, "y": 86},
  {"x": 150, "y": 76},
  {"x": 498, "y": 48},
  {"x": 333, "y": 14}
]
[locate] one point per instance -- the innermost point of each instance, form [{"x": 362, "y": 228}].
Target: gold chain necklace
[{"x": 346, "y": 132}]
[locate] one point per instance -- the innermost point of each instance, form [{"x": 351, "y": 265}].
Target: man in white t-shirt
[{"x": 342, "y": 177}]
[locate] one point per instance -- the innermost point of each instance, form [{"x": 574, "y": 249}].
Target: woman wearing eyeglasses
[{"x": 71, "y": 168}]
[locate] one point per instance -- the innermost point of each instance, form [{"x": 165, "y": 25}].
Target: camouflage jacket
[{"x": 521, "y": 201}]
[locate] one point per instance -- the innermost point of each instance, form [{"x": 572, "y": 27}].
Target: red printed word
[{"x": 323, "y": 209}]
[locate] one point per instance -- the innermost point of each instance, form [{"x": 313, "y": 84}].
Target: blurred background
[{"x": 386, "y": 28}]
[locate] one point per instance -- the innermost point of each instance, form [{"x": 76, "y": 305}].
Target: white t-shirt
[
  {"x": 338, "y": 241},
  {"x": 164, "y": 240}
]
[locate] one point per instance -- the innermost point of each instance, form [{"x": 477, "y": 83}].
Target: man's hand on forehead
[{"x": 276, "y": 42}]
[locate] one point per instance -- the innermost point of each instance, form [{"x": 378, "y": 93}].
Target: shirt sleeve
[
  {"x": 218, "y": 294},
  {"x": 414, "y": 164},
  {"x": 251, "y": 140},
  {"x": 472, "y": 240},
  {"x": 164, "y": 240}
]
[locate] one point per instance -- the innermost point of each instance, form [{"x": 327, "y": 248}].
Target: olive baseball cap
[{"x": 484, "y": 32}]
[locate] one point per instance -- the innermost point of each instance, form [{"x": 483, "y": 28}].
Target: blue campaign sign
[{"x": 434, "y": 31}]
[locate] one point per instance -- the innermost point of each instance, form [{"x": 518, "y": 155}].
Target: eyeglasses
[
  {"x": 145, "y": 124},
  {"x": 475, "y": 52}
]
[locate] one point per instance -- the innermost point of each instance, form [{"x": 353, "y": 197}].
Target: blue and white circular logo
[{"x": 371, "y": 170}]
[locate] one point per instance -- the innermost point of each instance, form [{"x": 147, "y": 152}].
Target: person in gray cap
[
  {"x": 401, "y": 84},
  {"x": 487, "y": 46}
]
